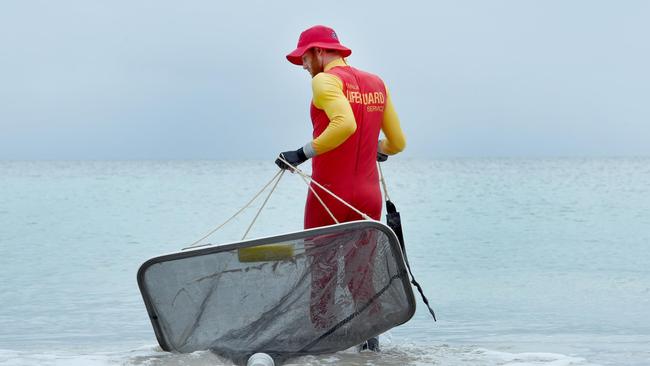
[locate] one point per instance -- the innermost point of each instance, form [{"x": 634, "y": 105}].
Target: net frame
[{"x": 393, "y": 243}]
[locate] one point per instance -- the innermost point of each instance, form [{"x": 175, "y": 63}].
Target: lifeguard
[{"x": 349, "y": 109}]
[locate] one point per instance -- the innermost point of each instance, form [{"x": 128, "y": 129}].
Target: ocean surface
[{"x": 526, "y": 262}]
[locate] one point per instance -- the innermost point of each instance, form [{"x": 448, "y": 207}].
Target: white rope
[
  {"x": 319, "y": 199},
  {"x": 263, "y": 204},
  {"x": 278, "y": 175},
  {"x": 383, "y": 182},
  {"x": 195, "y": 244},
  {"x": 325, "y": 189}
]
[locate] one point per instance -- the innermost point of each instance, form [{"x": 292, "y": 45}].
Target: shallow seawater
[
  {"x": 403, "y": 354},
  {"x": 526, "y": 262}
]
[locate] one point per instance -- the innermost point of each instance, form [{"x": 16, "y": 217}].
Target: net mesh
[{"x": 317, "y": 291}]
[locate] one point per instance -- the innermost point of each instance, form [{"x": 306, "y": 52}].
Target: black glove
[
  {"x": 294, "y": 158},
  {"x": 381, "y": 157}
]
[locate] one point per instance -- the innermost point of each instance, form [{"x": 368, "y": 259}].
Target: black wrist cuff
[{"x": 301, "y": 154}]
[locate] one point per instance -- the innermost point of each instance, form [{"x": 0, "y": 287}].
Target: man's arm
[
  {"x": 395, "y": 141},
  {"x": 329, "y": 97}
]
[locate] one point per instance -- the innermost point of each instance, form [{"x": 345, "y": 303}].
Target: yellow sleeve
[
  {"x": 328, "y": 96},
  {"x": 395, "y": 140}
]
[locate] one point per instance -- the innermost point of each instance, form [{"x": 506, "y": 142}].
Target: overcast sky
[{"x": 209, "y": 79}]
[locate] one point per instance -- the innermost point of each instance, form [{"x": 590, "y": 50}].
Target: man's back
[{"x": 353, "y": 161}]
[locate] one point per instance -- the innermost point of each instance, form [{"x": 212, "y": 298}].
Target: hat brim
[{"x": 295, "y": 57}]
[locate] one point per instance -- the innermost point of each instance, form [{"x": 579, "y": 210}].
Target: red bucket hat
[{"x": 317, "y": 36}]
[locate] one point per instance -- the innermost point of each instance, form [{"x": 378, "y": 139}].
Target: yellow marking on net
[{"x": 265, "y": 253}]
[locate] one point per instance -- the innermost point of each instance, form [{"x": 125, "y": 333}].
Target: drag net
[{"x": 316, "y": 291}]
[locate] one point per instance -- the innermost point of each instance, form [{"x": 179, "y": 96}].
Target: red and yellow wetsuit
[{"x": 349, "y": 109}]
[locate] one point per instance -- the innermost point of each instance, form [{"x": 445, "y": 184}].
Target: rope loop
[
  {"x": 277, "y": 176},
  {"x": 307, "y": 176},
  {"x": 275, "y": 180}
]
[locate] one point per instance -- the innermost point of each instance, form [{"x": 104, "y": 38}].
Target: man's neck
[{"x": 333, "y": 61}]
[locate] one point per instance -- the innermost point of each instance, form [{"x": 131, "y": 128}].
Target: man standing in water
[{"x": 349, "y": 109}]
